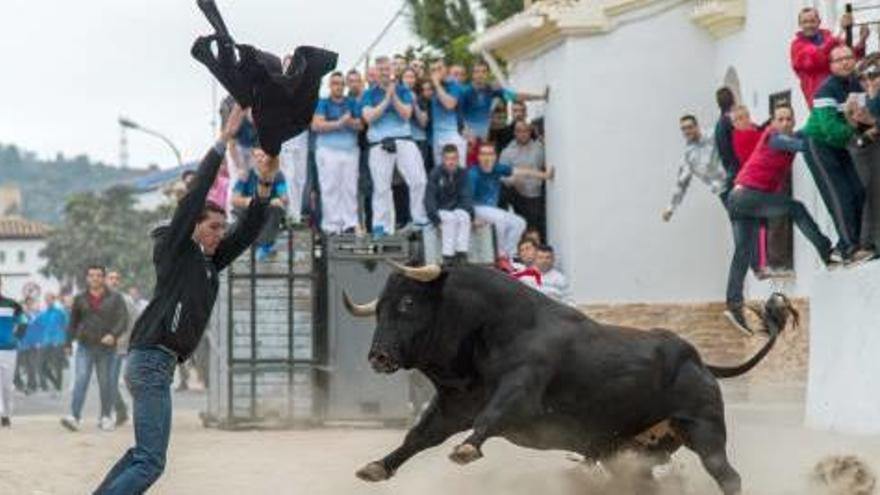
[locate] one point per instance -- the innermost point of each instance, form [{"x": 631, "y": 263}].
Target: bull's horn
[
  {"x": 427, "y": 273},
  {"x": 368, "y": 309}
]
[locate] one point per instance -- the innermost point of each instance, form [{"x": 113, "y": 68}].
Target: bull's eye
[{"x": 406, "y": 302}]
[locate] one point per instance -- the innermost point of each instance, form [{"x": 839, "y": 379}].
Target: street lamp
[{"x": 130, "y": 124}]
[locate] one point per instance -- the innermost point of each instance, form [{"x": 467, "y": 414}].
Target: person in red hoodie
[
  {"x": 811, "y": 49},
  {"x": 755, "y": 197}
]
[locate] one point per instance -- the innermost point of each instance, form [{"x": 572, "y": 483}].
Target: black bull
[{"x": 507, "y": 361}]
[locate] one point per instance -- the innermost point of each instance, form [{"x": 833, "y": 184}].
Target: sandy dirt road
[{"x": 768, "y": 445}]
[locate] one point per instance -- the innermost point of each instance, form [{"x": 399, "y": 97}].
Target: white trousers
[
  {"x": 7, "y": 373},
  {"x": 411, "y": 167},
  {"x": 338, "y": 179},
  {"x": 294, "y": 164},
  {"x": 455, "y": 231},
  {"x": 453, "y": 138},
  {"x": 509, "y": 227}
]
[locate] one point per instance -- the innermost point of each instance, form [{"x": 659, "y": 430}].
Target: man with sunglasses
[
  {"x": 701, "y": 160},
  {"x": 829, "y": 130}
]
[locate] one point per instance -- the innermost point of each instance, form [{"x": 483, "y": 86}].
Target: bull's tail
[{"x": 775, "y": 316}]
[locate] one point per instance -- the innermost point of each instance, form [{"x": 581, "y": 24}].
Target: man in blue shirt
[
  {"x": 244, "y": 192},
  {"x": 477, "y": 100},
  {"x": 12, "y": 328},
  {"x": 445, "y": 118},
  {"x": 486, "y": 186},
  {"x": 387, "y": 109},
  {"x": 337, "y": 122}
]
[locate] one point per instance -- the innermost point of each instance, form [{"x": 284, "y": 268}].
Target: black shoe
[
  {"x": 833, "y": 259},
  {"x": 4, "y": 422},
  {"x": 461, "y": 259},
  {"x": 449, "y": 261},
  {"x": 738, "y": 320},
  {"x": 121, "y": 418}
]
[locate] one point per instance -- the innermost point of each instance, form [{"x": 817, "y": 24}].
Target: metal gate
[{"x": 268, "y": 339}]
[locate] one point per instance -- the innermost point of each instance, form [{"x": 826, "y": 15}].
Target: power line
[{"x": 382, "y": 34}]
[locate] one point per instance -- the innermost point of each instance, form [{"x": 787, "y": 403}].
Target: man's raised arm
[{"x": 189, "y": 207}]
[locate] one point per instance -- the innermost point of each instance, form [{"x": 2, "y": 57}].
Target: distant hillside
[{"x": 46, "y": 184}]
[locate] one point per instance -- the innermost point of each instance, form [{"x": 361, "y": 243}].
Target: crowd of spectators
[
  {"x": 407, "y": 145},
  {"x": 749, "y": 166}
]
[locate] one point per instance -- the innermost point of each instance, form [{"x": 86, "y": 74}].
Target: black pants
[
  {"x": 841, "y": 191},
  {"x": 867, "y": 162},
  {"x": 51, "y": 364},
  {"x": 533, "y": 210},
  {"x": 747, "y": 207}
]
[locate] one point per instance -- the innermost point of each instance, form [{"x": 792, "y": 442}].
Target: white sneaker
[
  {"x": 107, "y": 424},
  {"x": 70, "y": 423}
]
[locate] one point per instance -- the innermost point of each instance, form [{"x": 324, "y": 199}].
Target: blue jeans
[
  {"x": 149, "y": 374},
  {"x": 118, "y": 401},
  {"x": 747, "y": 207},
  {"x": 101, "y": 359}
]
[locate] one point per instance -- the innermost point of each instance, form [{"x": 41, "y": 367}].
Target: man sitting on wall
[{"x": 244, "y": 193}]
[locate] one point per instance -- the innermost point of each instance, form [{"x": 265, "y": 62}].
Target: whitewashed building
[
  {"x": 20, "y": 262},
  {"x": 621, "y": 73}
]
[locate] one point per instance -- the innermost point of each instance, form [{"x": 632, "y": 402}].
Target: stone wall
[{"x": 719, "y": 343}]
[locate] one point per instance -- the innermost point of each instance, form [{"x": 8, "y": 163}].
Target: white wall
[
  {"x": 612, "y": 132},
  {"x": 16, "y": 274}
]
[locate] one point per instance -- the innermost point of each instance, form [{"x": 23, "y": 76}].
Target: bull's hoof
[
  {"x": 465, "y": 454},
  {"x": 373, "y": 472}
]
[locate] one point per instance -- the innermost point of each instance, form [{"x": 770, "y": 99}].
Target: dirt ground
[{"x": 768, "y": 445}]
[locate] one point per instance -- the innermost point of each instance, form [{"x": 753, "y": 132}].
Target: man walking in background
[
  {"x": 97, "y": 319},
  {"x": 114, "y": 281},
  {"x": 12, "y": 328}
]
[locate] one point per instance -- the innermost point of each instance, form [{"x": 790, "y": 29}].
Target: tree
[
  {"x": 449, "y": 26},
  {"x": 498, "y": 10},
  {"x": 102, "y": 228}
]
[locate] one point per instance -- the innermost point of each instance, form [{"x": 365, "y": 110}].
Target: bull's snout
[{"x": 382, "y": 361}]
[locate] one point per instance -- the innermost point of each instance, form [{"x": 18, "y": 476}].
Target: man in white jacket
[{"x": 553, "y": 282}]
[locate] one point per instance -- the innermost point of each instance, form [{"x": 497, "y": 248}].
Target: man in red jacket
[
  {"x": 756, "y": 196},
  {"x": 811, "y": 49}
]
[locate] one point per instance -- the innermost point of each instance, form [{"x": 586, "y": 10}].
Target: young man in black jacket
[
  {"x": 450, "y": 206},
  {"x": 188, "y": 254}
]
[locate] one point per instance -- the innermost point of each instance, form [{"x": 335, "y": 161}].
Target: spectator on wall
[
  {"x": 445, "y": 108},
  {"x": 421, "y": 121},
  {"x": 449, "y": 204},
  {"x": 245, "y": 192},
  {"x": 811, "y": 49},
  {"x": 756, "y": 196},
  {"x": 553, "y": 282},
  {"x": 525, "y": 252},
  {"x": 724, "y": 135},
  {"x": 829, "y": 132},
  {"x": 527, "y": 193},
  {"x": 745, "y": 133},
  {"x": 485, "y": 182},
  {"x": 337, "y": 122},
  {"x": 388, "y": 109},
  {"x": 458, "y": 73},
  {"x": 701, "y": 160},
  {"x": 866, "y": 153}
]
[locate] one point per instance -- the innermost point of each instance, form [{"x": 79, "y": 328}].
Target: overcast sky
[{"x": 71, "y": 67}]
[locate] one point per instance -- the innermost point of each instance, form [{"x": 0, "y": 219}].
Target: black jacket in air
[{"x": 186, "y": 279}]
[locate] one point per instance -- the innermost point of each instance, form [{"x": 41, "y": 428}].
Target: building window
[{"x": 21, "y": 257}]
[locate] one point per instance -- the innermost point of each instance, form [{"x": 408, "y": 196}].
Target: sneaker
[
  {"x": 70, "y": 423},
  {"x": 833, "y": 259},
  {"x": 4, "y": 422},
  {"x": 106, "y": 424},
  {"x": 738, "y": 320},
  {"x": 860, "y": 256},
  {"x": 461, "y": 259}
]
